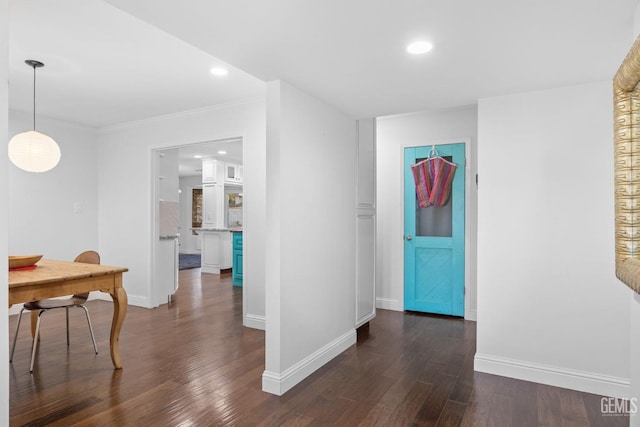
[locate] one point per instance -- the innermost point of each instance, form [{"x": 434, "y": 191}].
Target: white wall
[
  {"x": 188, "y": 241},
  {"x": 395, "y": 133},
  {"x": 634, "y": 302},
  {"x": 310, "y": 271},
  {"x": 4, "y": 217},
  {"x": 125, "y": 192},
  {"x": 636, "y": 23},
  {"x": 42, "y": 214},
  {"x": 550, "y": 309},
  {"x": 42, "y": 206}
]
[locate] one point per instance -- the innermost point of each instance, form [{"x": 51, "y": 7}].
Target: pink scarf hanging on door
[{"x": 433, "y": 178}]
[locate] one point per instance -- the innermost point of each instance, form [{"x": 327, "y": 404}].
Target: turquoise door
[{"x": 434, "y": 239}]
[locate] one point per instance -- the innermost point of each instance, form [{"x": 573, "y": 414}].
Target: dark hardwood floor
[{"x": 193, "y": 364}]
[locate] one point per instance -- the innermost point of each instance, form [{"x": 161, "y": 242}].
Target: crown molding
[{"x": 187, "y": 113}]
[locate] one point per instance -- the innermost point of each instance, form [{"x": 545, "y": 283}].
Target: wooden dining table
[{"x": 53, "y": 278}]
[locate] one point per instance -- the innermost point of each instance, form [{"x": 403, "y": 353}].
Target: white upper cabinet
[
  {"x": 232, "y": 173},
  {"x": 209, "y": 171}
]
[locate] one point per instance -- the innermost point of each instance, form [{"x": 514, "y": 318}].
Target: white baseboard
[
  {"x": 551, "y": 375},
  {"x": 389, "y": 304},
  {"x": 15, "y": 309},
  {"x": 136, "y": 300},
  {"x": 365, "y": 319},
  {"x": 254, "y": 321},
  {"x": 471, "y": 315},
  {"x": 280, "y": 383}
]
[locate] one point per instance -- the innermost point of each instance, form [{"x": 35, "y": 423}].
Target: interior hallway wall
[
  {"x": 125, "y": 192},
  {"x": 311, "y": 251},
  {"x": 416, "y": 129},
  {"x": 550, "y": 309}
]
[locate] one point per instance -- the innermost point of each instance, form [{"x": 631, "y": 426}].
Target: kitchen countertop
[
  {"x": 169, "y": 236},
  {"x": 218, "y": 229}
]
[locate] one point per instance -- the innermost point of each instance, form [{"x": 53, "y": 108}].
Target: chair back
[{"x": 87, "y": 257}]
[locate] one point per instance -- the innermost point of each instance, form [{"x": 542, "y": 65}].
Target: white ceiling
[
  {"x": 351, "y": 52},
  {"x": 189, "y": 165},
  {"x": 105, "y": 66}
]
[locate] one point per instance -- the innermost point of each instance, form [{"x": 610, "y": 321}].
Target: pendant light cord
[
  {"x": 34, "y": 97},
  {"x": 34, "y": 64}
]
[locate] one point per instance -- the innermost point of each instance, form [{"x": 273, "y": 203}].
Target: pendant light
[{"x": 34, "y": 151}]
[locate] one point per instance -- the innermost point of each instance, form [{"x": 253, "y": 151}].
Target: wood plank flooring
[{"x": 193, "y": 364}]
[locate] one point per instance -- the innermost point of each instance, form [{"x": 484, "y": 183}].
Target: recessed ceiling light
[
  {"x": 222, "y": 152},
  {"x": 419, "y": 47},
  {"x": 197, "y": 156},
  {"x": 219, "y": 71}
]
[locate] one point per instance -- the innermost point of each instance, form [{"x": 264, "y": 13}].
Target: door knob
[{"x": 408, "y": 237}]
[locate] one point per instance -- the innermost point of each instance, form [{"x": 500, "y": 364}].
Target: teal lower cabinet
[{"x": 236, "y": 275}]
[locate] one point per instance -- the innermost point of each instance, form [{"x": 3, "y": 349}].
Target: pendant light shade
[{"x": 34, "y": 151}]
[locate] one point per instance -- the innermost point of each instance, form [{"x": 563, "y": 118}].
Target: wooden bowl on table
[{"x": 22, "y": 261}]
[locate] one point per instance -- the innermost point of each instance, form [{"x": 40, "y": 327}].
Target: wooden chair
[{"x": 77, "y": 300}]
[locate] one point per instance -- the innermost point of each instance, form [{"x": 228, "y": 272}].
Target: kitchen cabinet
[
  {"x": 212, "y": 206},
  {"x": 216, "y": 250},
  {"x": 236, "y": 274},
  {"x": 209, "y": 171},
  {"x": 166, "y": 278},
  {"x": 232, "y": 173}
]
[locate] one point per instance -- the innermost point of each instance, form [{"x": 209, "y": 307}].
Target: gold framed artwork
[{"x": 627, "y": 168}]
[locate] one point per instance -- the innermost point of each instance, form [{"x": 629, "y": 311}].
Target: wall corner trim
[
  {"x": 280, "y": 383},
  {"x": 255, "y": 321},
  {"x": 588, "y": 382}
]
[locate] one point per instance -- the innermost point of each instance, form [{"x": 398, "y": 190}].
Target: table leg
[
  {"x": 34, "y": 322},
  {"x": 119, "y": 297}
]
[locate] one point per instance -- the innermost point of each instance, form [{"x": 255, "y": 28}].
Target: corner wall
[
  {"x": 634, "y": 301},
  {"x": 311, "y": 254},
  {"x": 4, "y": 212},
  {"x": 550, "y": 309},
  {"x": 393, "y": 134}
]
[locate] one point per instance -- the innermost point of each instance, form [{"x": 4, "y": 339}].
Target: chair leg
[
  {"x": 15, "y": 337},
  {"x": 35, "y": 341},
  {"x": 67, "y": 313},
  {"x": 93, "y": 338}
]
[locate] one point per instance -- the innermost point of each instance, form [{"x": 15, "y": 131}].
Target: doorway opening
[{"x": 182, "y": 202}]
